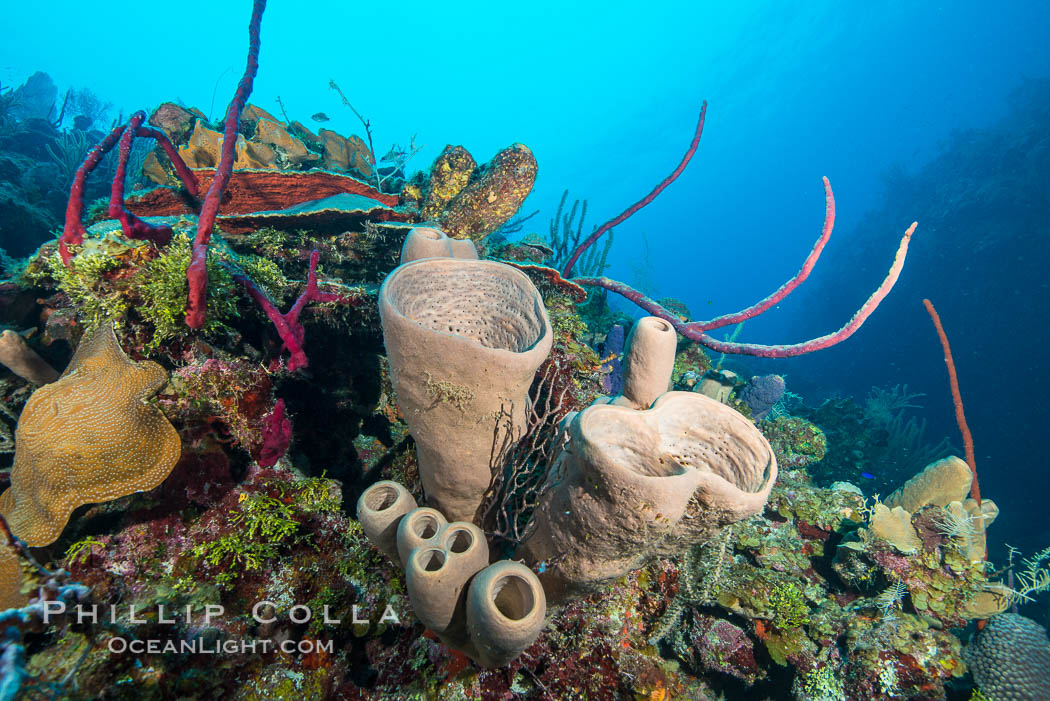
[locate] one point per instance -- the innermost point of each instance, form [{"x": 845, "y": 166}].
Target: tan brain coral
[
  {"x": 940, "y": 483},
  {"x": 10, "y": 579},
  {"x": 89, "y": 437}
]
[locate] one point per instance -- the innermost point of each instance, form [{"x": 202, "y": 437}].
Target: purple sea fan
[{"x": 761, "y": 393}]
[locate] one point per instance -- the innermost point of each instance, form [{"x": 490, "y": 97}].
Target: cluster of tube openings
[
  {"x": 491, "y": 612},
  {"x": 642, "y": 475}
]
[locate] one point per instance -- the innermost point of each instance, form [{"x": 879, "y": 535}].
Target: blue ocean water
[{"x": 607, "y": 94}]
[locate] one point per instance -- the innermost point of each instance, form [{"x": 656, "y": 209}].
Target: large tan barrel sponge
[
  {"x": 464, "y": 339},
  {"x": 380, "y": 510},
  {"x": 506, "y": 608},
  {"x": 632, "y": 486},
  {"x": 428, "y": 242}
]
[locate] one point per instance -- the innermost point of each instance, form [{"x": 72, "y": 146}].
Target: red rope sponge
[
  {"x": 960, "y": 416},
  {"x": 197, "y": 271}
]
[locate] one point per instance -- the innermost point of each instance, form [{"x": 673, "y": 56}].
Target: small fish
[
  {"x": 867, "y": 475},
  {"x": 320, "y": 117}
]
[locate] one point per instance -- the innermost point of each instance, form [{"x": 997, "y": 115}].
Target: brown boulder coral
[{"x": 89, "y": 437}]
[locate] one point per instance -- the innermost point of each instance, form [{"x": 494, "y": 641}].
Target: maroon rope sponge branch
[
  {"x": 197, "y": 273},
  {"x": 627, "y": 213}
]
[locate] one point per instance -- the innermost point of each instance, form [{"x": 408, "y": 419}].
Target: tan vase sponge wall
[
  {"x": 427, "y": 242},
  {"x": 637, "y": 485},
  {"x": 464, "y": 339}
]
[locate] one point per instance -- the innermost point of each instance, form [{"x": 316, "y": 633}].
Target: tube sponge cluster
[{"x": 491, "y": 612}]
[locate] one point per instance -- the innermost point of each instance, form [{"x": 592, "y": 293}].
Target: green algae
[
  {"x": 263, "y": 525},
  {"x": 788, "y": 605}
]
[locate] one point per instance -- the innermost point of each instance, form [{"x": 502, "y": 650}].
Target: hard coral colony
[{"x": 517, "y": 532}]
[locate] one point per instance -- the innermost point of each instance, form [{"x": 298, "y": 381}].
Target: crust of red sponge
[{"x": 257, "y": 191}]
